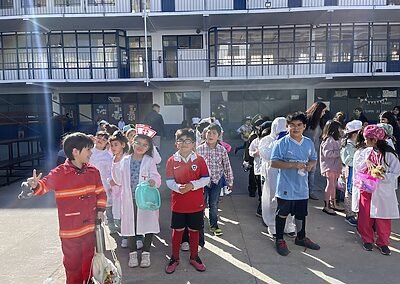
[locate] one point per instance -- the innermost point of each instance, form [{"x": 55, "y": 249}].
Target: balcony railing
[
  {"x": 187, "y": 64},
  {"x": 43, "y": 7}
]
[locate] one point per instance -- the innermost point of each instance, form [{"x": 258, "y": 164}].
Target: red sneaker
[
  {"x": 173, "y": 263},
  {"x": 196, "y": 263}
]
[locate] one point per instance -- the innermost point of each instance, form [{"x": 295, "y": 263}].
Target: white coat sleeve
[
  {"x": 392, "y": 168},
  {"x": 154, "y": 175},
  {"x": 156, "y": 156},
  {"x": 253, "y": 148}
]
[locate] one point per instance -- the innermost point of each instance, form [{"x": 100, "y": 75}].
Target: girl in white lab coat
[
  {"x": 376, "y": 209},
  {"x": 137, "y": 167}
]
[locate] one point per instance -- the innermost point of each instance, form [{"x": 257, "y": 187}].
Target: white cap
[
  {"x": 353, "y": 126},
  {"x": 195, "y": 120}
]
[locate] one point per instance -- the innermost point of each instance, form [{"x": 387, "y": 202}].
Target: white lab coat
[
  {"x": 146, "y": 221},
  {"x": 384, "y": 204},
  {"x": 268, "y": 201}
]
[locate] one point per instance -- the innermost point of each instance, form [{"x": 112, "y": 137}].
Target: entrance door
[
  {"x": 170, "y": 62},
  {"x": 168, "y": 5},
  {"x": 239, "y": 4}
]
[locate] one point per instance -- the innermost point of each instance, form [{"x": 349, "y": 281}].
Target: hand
[
  {"x": 100, "y": 215},
  {"x": 112, "y": 183},
  {"x": 151, "y": 182},
  {"x": 299, "y": 166},
  {"x": 33, "y": 181},
  {"x": 183, "y": 189},
  {"x": 230, "y": 187},
  {"x": 309, "y": 167}
]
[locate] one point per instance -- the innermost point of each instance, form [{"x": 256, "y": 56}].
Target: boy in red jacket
[
  {"x": 187, "y": 174},
  {"x": 80, "y": 199}
]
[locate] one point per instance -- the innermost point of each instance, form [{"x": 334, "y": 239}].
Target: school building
[{"x": 103, "y": 59}]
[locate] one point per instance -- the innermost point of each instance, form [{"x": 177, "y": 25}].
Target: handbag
[
  {"x": 104, "y": 270},
  {"x": 147, "y": 197},
  {"x": 366, "y": 182}
]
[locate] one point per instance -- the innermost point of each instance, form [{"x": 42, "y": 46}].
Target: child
[
  {"x": 135, "y": 168},
  {"x": 102, "y": 160},
  {"x": 119, "y": 147},
  {"x": 294, "y": 155},
  {"x": 187, "y": 174},
  {"x": 268, "y": 200},
  {"x": 376, "y": 209},
  {"x": 347, "y": 155},
  {"x": 80, "y": 199},
  {"x": 331, "y": 165},
  {"x": 218, "y": 164}
]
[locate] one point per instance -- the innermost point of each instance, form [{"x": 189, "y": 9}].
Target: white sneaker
[
  {"x": 124, "y": 243},
  {"x": 145, "y": 262},
  {"x": 133, "y": 260},
  {"x": 185, "y": 246},
  {"x": 139, "y": 244},
  {"x": 227, "y": 191},
  {"x": 221, "y": 194}
]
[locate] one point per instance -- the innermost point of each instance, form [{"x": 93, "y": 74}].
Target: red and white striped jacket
[{"x": 79, "y": 195}]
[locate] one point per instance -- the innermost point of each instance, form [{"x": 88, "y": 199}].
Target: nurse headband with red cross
[{"x": 145, "y": 130}]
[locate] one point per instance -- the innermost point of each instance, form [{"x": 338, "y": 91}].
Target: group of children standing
[
  {"x": 104, "y": 178},
  {"x": 105, "y": 170}
]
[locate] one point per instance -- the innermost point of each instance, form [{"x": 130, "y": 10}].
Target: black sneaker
[
  {"x": 282, "y": 248},
  {"x": 291, "y": 234},
  {"x": 352, "y": 221},
  {"x": 385, "y": 250},
  {"x": 259, "y": 211},
  {"x": 368, "y": 246},
  {"x": 307, "y": 243}
]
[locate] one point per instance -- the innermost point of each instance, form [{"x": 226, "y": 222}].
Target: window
[
  {"x": 101, "y": 2},
  {"x": 173, "y": 98},
  {"x": 33, "y": 3},
  {"x": 6, "y": 4},
  {"x": 184, "y": 42},
  {"x": 67, "y": 2}
]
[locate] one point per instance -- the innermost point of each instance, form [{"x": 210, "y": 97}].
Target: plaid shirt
[{"x": 218, "y": 162}]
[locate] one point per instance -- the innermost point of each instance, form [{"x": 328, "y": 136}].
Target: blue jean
[{"x": 211, "y": 198}]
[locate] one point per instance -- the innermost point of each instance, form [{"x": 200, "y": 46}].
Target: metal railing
[
  {"x": 188, "y": 63},
  {"x": 43, "y": 7}
]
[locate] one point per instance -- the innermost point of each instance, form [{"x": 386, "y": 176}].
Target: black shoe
[
  {"x": 352, "y": 221},
  {"x": 282, "y": 248},
  {"x": 251, "y": 194},
  {"x": 259, "y": 211},
  {"x": 313, "y": 196},
  {"x": 368, "y": 246},
  {"x": 291, "y": 234},
  {"x": 307, "y": 243},
  {"x": 236, "y": 150},
  {"x": 385, "y": 250}
]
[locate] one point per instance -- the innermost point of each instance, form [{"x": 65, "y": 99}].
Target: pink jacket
[{"x": 329, "y": 155}]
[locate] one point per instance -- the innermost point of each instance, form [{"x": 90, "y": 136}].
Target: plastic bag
[
  {"x": 366, "y": 182},
  {"x": 147, "y": 197}
]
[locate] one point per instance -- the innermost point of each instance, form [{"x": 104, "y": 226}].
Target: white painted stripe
[
  {"x": 325, "y": 277},
  {"x": 317, "y": 259}
]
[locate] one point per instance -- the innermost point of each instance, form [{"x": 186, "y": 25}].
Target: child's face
[
  {"x": 83, "y": 156},
  {"x": 212, "y": 136},
  {"x": 296, "y": 128},
  {"x": 383, "y": 120},
  {"x": 185, "y": 145},
  {"x": 130, "y": 136},
  {"x": 370, "y": 142},
  {"x": 117, "y": 147},
  {"x": 101, "y": 142},
  {"x": 140, "y": 146}
]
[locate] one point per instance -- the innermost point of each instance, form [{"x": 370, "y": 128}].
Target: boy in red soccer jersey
[{"x": 187, "y": 174}]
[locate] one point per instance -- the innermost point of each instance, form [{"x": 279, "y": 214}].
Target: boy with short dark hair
[
  {"x": 186, "y": 176},
  {"x": 219, "y": 166},
  {"x": 80, "y": 199},
  {"x": 294, "y": 155}
]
